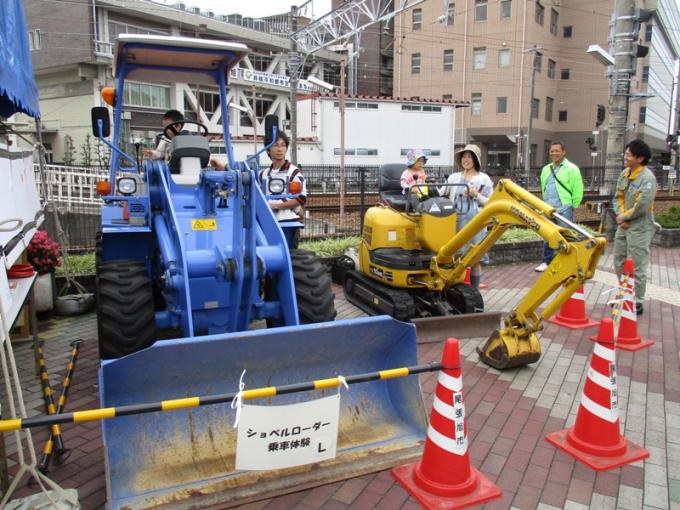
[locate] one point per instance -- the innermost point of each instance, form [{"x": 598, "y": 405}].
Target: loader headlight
[
  {"x": 276, "y": 186},
  {"x": 127, "y": 186}
]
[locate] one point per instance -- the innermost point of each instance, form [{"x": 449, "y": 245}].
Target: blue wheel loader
[{"x": 198, "y": 292}]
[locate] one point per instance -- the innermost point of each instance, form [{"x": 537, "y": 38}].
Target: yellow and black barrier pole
[
  {"x": 55, "y": 439},
  {"x": 189, "y": 402},
  {"x": 62, "y": 454}
]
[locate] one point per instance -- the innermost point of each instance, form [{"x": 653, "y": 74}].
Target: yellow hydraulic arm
[{"x": 576, "y": 256}]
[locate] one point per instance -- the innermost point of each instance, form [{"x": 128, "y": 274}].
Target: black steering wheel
[{"x": 174, "y": 128}]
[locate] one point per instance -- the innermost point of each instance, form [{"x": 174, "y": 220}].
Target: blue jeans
[{"x": 548, "y": 253}]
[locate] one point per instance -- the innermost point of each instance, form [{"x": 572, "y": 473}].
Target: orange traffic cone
[
  {"x": 572, "y": 315},
  {"x": 595, "y": 439},
  {"x": 468, "y": 276},
  {"x": 443, "y": 478},
  {"x": 628, "y": 338}
]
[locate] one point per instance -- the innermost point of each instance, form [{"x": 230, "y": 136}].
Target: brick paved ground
[{"x": 508, "y": 413}]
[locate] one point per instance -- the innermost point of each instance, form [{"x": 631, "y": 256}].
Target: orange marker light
[
  {"x": 103, "y": 188},
  {"x": 109, "y": 95},
  {"x": 294, "y": 187}
]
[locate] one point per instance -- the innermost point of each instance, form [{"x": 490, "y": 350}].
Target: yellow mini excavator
[{"x": 412, "y": 262}]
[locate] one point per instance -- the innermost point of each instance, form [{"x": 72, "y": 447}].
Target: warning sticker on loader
[
  {"x": 204, "y": 224},
  {"x": 276, "y": 437}
]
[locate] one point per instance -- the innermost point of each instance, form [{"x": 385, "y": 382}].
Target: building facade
[
  {"x": 483, "y": 52},
  {"x": 72, "y": 49}
]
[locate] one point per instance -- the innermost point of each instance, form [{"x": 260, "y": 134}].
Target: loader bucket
[{"x": 186, "y": 458}]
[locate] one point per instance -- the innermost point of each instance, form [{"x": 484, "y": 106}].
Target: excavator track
[{"x": 375, "y": 298}]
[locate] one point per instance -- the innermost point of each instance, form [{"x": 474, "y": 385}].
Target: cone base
[
  {"x": 483, "y": 490},
  {"x": 628, "y": 345},
  {"x": 573, "y": 323},
  {"x": 632, "y": 454}
]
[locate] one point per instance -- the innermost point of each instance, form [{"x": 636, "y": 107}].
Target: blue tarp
[{"x": 18, "y": 92}]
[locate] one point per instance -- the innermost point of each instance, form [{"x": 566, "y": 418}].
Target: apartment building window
[
  {"x": 447, "y": 97},
  {"x": 539, "y": 14},
  {"x": 535, "y": 106},
  {"x": 533, "y": 152},
  {"x": 417, "y": 19},
  {"x": 506, "y": 8},
  {"x": 427, "y": 152},
  {"x": 502, "y": 104},
  {"x": 648, "y": 32},
  {"x": 450, "y": 13},
  {"x": 546, "y": 149},
  {"x": 146, "y": 95},
  {"x": 116, "y": 28},
  {"x": 448, "y": 60},
  {"x": 476, "y": 104},
  {"x": 643, "y": 115},
  {"x": 645, "y": 74},
  {"x": 566, "y": 31},
  {"x": 565, "y": 74},
  {"x": 415, "y": 63},
  {"x": 562, "y": 115},
  {"x": 552, "y": 65},
  {"x": 34, "y": 40},
  {"x": 481, "y": 10},
  {"x": 356, "y": 151},
  {"x": 209, "y": 101},
  {"x": 479, "y": 58},
  {"x": 503, "y": 58},
  {"x": 538, "y": 62},
  {"x": 554, "y": 19},
  {"x": 420, "y": 108},
  {"x": 549, "y": 101}
]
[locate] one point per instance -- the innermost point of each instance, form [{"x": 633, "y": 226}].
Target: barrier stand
[
  {"x": 62, "y": 454},
  {"x": 595, "y": 439},
  {"x": 572, "y": 315},
  {"x": 444, "y": 478}
]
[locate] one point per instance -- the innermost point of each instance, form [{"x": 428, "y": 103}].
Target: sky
[{"x": 255, "y": 8}]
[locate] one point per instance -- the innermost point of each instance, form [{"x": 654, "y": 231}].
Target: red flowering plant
[{"x": 43, "y": 253}]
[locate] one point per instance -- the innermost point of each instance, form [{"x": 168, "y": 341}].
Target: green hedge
[{"x": 671, "y": 219}]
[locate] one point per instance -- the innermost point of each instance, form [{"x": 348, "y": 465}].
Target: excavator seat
[{"x": 389, "y": 186}]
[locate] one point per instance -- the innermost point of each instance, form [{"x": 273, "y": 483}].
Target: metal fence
[{"x": 72, "y": 190}]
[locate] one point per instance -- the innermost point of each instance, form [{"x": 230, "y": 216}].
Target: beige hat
[{"x": 469, "y": 148}]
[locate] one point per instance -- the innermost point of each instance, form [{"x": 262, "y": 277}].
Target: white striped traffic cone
[
  {"x": 595, "y": 439},
  {"x": 572, "y": 315},
  {"x": 443, "y": 478}
]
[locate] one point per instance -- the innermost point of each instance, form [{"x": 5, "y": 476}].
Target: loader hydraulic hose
[{"x": 189, "y": 402}]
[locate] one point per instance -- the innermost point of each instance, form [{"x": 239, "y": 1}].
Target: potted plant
[{"x": 44, "y": 256}]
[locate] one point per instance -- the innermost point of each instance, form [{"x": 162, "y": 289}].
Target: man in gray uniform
[{"x": 633, "y": 205}]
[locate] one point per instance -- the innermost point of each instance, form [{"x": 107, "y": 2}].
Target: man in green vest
[
  {"x": 633, "y": 205},
  {"x": 562, "y": 188}
]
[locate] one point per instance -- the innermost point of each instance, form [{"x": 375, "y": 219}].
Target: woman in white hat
[{"x": 476, "y": 194}]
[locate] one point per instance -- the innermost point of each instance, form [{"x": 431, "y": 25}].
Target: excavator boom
[{"x": 576, "y": 256}]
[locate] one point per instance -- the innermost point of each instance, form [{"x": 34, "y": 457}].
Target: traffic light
[
  {"x": 601, "y": 112},
  {"x": 641, "y": 16},
  {"x": 591, "y": 144}
]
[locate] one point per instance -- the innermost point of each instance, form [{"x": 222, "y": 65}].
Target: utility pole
[
  {"x": 341, "y": 104},
  {"x": 527, "y": 147},
  {"x": 293, "y": 68},
  {"x": 619, "y": 91}
]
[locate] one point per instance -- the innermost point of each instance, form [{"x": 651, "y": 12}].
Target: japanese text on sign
[{"x": 274, "y": 437}]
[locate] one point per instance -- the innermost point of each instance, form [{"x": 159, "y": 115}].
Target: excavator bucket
[
  {"x": 186, "y": 458},
  {"x": 505, "y": 350}
]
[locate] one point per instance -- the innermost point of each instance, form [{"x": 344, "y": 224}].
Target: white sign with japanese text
[{"x": 275, "y": 437}]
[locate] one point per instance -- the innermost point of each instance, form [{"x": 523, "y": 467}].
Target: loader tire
[
  {"x": 98, "y": 249},
  {"x": 315, "y": 298},
  {"x": 125, "y": 308},
  {"x": 465, "y": 299}
]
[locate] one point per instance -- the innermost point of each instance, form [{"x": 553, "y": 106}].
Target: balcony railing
[{"x": 103, "y": 49}]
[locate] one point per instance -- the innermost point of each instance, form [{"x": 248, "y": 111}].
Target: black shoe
[{"x": 638, "y": 308}]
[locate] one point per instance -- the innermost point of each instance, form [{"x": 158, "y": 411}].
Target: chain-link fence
[{"x": 72, "y": 190}]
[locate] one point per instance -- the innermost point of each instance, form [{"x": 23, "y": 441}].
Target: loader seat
[
  {"x": 389, "y": 186},
  {"x": 190, "y": 153}
]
